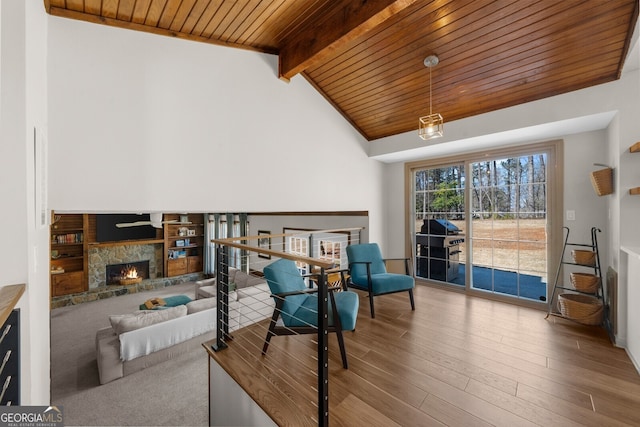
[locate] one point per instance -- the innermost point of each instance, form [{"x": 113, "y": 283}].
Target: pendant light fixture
[{"x": 431, "y": 126}]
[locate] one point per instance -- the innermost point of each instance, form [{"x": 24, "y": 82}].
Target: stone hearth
[{"x": 117, "y": 290}]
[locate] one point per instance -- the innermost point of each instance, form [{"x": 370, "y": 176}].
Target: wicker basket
[
  {"x": 585, "y": 282},
  {"x": 583, "y": 309},
  {"x": 584, "y": 257},
  {"x": 602, "y": 181}
]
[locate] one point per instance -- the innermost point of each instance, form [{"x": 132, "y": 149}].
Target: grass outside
[{"x": 506, "y": 244}]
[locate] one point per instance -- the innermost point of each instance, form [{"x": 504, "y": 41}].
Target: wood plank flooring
[{"x": 456, "y": 360}]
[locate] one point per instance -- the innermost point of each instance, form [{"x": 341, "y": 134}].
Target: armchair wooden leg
[
  {"x": 271, "y": 331},
  {"x": 337, "y": 326},
  {"x": 373, "y": 313},
  {"x": 266, "y": 343},
  {"x": 413, "y": 305}
]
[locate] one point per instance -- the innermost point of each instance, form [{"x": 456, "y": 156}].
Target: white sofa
[{"x": 137, "y": 341}]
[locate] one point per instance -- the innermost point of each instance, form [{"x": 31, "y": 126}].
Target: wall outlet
[{"x": 571, "y": 215}]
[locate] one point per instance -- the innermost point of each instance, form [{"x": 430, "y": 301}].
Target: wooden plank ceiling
[{"x": 366, "y": 57}]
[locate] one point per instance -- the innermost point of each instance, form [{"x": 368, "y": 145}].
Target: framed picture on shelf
[
  {"x": 179, "y": 243},
  {"x": 264, "y": 243}
]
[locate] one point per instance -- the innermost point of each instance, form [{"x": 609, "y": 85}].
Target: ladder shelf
[{"x": 592, "y": 301}]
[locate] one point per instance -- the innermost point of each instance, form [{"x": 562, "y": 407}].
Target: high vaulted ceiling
[{"x": 366, "y": 57}]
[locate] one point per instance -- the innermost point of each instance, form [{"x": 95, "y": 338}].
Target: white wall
[
  {"x": 581, "y": 151},
  {"x": 395, "y": 213},
  {"x": 36, "y": 315},
  {"x": 23, "y": 107},
  {"x": 140, "y": 122},
  {"x": 13, "y": 257}
]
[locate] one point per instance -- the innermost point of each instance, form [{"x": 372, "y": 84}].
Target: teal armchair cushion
[
  {"x": 302, "y": 310},
  {"x": 382, "y": 282}
]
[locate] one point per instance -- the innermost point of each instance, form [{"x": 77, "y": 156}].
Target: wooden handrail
[{"x": 233, "y": 242}]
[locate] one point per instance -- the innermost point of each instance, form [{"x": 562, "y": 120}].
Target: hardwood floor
[{"x": 455, "y": 360}]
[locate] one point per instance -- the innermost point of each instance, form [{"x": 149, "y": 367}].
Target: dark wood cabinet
[{"x": 67, "y": 283}]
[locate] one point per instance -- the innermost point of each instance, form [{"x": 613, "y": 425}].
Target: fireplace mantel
[{"x": 124, "y": 243}]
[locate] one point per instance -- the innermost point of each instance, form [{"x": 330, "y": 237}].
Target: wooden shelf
[
  {"x": 634, "y": 191},
  {"x": 61, "y": 257},
  {"x": 635, "y": 148}
]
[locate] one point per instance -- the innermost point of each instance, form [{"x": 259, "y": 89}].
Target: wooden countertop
[{"x": 9, "y": 297}]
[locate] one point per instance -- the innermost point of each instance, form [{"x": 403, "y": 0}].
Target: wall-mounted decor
[
  {"x": 264, "y": 243},
  {"x": 602, "y": 180}
]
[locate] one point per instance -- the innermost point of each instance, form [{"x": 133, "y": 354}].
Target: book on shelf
[{"x": 63, "y": 239}]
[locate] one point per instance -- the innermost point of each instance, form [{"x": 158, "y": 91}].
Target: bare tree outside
[{"x": 508, "y": 209}]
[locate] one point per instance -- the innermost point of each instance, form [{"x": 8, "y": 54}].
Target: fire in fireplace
[{"x": 117, "y": 273}]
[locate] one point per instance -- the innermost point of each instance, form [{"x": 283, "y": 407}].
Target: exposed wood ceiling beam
[{"x": 330, "y": 29}]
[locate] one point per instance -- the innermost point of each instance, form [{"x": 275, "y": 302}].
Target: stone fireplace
[
  {"x": 130, "y": 270},
  {"x": 118, "y": 257}
]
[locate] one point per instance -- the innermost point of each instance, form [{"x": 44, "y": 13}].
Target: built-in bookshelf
[
  {"x": 68, "y": 254},
  {"x": 184, "y": 243}
]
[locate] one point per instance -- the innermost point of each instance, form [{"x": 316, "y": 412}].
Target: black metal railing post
[
  {"x": 323, "y": 350},
  {"x": 222, "y": 295}
]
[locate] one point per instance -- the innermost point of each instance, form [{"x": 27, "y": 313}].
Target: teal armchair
[
  {"x": 297, "y": 306},
  {"x": 368, "y": 272}
]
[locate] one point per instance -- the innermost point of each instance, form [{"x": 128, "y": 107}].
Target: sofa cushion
[
  {"x": 146, "y": 318},
  {"x": 201, "y": 304}
]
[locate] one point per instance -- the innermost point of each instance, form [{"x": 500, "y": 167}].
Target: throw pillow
[
  {"x": 116, "y": 318},
  {"x": 200, "y": 305},
  {"x": 148, "y": 318}
]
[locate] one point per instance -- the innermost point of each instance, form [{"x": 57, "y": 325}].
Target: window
[{"x": 480, "y": 222}]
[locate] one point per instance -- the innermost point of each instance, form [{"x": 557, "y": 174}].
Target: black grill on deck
[{"x": 438, "y": 249}]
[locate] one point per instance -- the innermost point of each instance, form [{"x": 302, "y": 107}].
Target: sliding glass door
[
  {"x": 439, "y": 222},
  {"x": 508, "y": 238},
  {"x": 482, "y": 225}
]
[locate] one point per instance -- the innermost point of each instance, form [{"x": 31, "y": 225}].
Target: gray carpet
[{"x": 173, "y": 393}]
